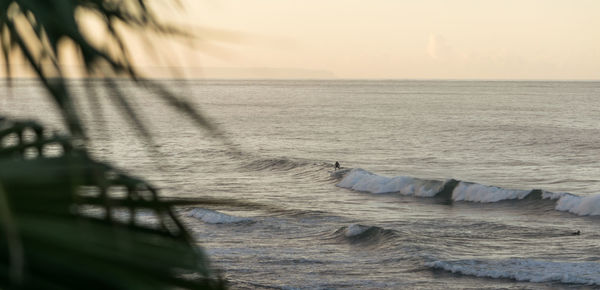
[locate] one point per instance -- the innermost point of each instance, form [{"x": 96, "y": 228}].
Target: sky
[
  {"x": 400, "y": 39},
  {"x": 377, "y": 39}
]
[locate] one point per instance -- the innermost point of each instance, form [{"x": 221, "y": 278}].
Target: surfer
[
  {"x": 577, "y": 233},
  {"x": 337, "y": 166}
]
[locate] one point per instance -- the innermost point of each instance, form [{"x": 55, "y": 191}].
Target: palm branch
[
  {"x": 67, "y": 220},
  {"x": 35, "y": 28}
]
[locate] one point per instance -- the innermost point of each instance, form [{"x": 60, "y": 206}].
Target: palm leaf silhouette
[
  {"x": 67, "y": 220},
  {"x": 36, "y": 27}
]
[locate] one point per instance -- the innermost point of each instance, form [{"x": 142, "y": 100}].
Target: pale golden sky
[
  {"x": 382, "y": 39},
  {"x": 456, "y": 39}
]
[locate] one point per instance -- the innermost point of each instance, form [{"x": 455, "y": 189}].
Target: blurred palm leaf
[
  {"x": 35, "y": 28},
  {"x": 68, "y": 221}
]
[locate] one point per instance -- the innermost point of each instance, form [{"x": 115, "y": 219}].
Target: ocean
[{"x": 444, "y": 184}]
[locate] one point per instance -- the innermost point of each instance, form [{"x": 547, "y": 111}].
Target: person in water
[{"x": 337, "y": 166}]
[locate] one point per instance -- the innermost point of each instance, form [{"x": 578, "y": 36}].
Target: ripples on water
[{"x": 445, "y": 198}]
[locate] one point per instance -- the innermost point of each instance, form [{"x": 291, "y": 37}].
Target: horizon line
[
  {"x": 6, "y": 78},
  {"x": 314, "y": 79}
]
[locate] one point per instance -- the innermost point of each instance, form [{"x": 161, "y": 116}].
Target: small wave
[
  {"x": 214, "y": 217},
  {"x": 587, "y": 273},
  {"x": 356, "y": 230},
  {"x": 356, "y": 233}
]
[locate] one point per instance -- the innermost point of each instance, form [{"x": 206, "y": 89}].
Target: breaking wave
[
  {"x": 587, "y": 273},
  {"x": 579, "y": 205},
  {"x": 362, "y": 180},
  {"x": 454, "y": 190}
]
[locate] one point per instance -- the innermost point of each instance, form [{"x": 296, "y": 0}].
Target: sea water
[{"x": 445, "y": 184}]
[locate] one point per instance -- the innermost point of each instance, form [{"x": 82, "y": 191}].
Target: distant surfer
[
  {"x": 337, "y": 166},
  {"x": 577, "y": 233}
]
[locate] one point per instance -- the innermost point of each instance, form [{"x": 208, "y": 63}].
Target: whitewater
[
  {"x": 444, "y": 184},
  {"x": 452, "y": 190}
]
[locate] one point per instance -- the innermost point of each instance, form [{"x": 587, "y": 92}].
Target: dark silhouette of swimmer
[
  {"x": 337, "y": 166},
  {"x": 577, "y": 233}
]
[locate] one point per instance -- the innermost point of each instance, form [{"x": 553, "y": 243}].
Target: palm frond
[
  {"x": 70, "y": 221},
  {"x": 67, "y": 220},
  {"x": 35, "y": 28}
]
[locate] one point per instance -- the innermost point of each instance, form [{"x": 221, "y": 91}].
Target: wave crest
[
  {"x": 362, "y": 180},
  {"x": 363, "y": 234},
  {"x": 528, "y": 270},
  {"x": 579, "y": 205},
  {"x": 466, "y": 191}
]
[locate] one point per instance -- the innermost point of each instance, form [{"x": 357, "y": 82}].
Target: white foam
[
  {"x": 587, "y": 273},
  {"x": 215, "y": 217},
  {"x": 466, "y": 191},
  {"x": 354, "y": 230},
  {"x": 579, "y": 205},
  {"x": 362, "y": 180},
  {"x": 552, "y": 195}
]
